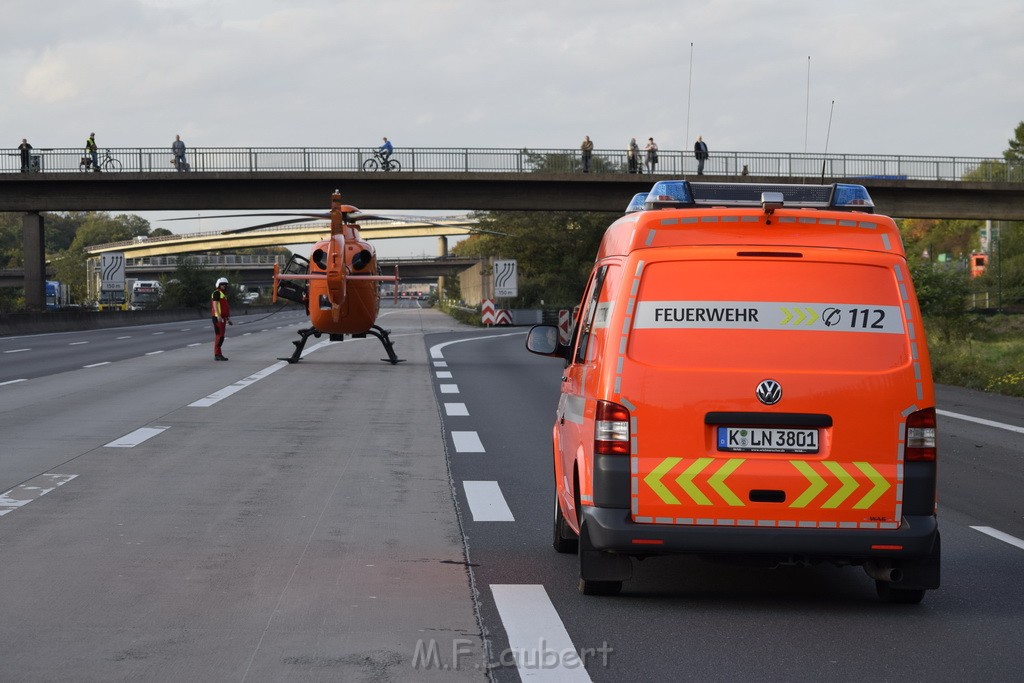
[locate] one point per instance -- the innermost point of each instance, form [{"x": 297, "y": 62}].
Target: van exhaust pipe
[{"x": 882, "y": 573}]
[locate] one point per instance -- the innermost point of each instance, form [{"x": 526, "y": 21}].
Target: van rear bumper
[{"x": 611, "y": 529}]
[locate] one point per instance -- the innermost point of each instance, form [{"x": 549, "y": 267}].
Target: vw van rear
[{"x": 747, "y": 378}]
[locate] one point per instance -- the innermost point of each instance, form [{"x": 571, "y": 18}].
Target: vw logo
[{"x": 769, "y": 392}]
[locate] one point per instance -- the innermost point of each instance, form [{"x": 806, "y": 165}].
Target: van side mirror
[{"x": 543, "y": 340}]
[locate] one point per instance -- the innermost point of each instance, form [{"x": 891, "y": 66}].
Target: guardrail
[{"x": 525, "y": 160}]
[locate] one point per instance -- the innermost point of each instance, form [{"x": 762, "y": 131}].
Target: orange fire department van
[{"x": 747, "y": 377}]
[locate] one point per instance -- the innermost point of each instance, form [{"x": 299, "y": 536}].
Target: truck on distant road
[
  {"x": 145, "y": 294},
  {"x": 57, "y": 295}
]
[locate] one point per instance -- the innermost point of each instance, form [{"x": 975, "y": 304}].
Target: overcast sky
[{"x": 914, "y": 77}]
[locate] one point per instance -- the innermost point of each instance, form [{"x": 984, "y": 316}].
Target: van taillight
[
  {"x": 920, "y": 438},
  {"x": 611, "y": 429}
]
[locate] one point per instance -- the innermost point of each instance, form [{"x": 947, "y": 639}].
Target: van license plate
[{"x": 767, "y": 440}]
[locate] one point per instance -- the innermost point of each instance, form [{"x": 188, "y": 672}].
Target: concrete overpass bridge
[{"x": 473, "y": 179}]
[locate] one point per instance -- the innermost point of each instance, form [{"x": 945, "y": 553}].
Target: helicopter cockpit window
[
  {"x": 291, "y": 290},
  {"x": 297, "y": 265},
  {"x": 320, "y": 259}
]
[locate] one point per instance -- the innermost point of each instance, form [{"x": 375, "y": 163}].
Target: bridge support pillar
[
  {"x": 34, "y": 245},
  {"x": 442, "y": 250}
]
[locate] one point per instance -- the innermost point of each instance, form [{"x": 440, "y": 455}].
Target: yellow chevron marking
[
  {"x": 799, "y": 317},
  {"x": 654, "y": 481},
  {"x": 849, "y": 485},
  {"x": 685, "y": 480},
  {"x": 881, "y": 486},
  {"x": 787, "y": 317},
  {"x": 717, "y": 481},
  {"x": 816, "y": 486},
  {"x": 812, "y": 316}
]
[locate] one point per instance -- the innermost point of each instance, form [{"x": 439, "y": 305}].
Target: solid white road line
[
  {"x": 12, "y": 381},
  {"x": 981, "y": 421},
  {"x": 31, "y": 490},
  {"x": 456, "y": 409},
  {"x": 437, "y": 350},
  {"x": 486, "y": 502},
  {"x": 135, "y": 438},
  {"x": 538, "y": 641},
  {"x": 467, "y": 442},
  {"x": 1005, "y": 538}
]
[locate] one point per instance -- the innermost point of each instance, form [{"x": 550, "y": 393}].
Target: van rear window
[{"x": 769, "y": 313}]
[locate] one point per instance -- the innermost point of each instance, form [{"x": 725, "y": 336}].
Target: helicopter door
[{"x": 294, "y": 290}]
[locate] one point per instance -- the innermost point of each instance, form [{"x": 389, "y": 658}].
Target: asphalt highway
[{"x": 167, "y": 517}]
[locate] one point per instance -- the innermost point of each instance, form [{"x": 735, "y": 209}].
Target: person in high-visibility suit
[{"x": 221, "y": 311}]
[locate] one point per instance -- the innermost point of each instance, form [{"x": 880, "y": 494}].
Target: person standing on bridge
[
  {"x": 26, "y": 154},
  {"x": 633, "y": 156},
  {"x": 586, "y": 151},
  {"x": 221, "y": 311},
  {"x": 178, "y": 148},
  {"x": 652, "y": 154},
  {"x": 700, "y": 152},
  {"x": 91, "y": 150}
]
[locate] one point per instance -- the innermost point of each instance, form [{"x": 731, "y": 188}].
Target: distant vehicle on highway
[
  {"x": 57, "y": 295},
  {"x": 145, "y": 294}
]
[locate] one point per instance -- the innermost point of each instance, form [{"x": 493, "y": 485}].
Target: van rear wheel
[
  {"x": 898, "y": 596},
  {"x": 564, "y": 538}
]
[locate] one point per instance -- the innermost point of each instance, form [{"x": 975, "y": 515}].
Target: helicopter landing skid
[
  {"x": 385, "y": 339},
  {"x": 301, "y": 344},
  {"x": 378, "y": 332}
]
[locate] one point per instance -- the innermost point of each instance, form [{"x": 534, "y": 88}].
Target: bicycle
[
  {"x": 381, "y": 162},
  {"x": 106, "y": 163}
]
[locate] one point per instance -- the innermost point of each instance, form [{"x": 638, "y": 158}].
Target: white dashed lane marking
[
  {"x": 133, "y": 439},
  {"x": 456, "y": 409},
  {"x": 467, "y": 442},
  {"x": 486, "y": 502},
  {"x": 537, "y": 639},
  {"x": 31, "y": 490}
]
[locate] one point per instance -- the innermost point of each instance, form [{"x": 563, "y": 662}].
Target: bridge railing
[
  {"x": 525, "y": 160},
  {"x": 204, "y": 260}
]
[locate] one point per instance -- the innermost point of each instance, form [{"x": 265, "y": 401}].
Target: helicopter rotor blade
[
  {"x": 427, "y": 221},
  {"x": 272, "y": 224},
  {"x": 320, "y": 214}
]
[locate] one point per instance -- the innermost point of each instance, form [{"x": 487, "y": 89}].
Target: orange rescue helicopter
[
  {"x": 338, "y": 283},
  {"x": 340, "y": 290}
]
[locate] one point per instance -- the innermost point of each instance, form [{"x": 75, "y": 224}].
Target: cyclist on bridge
[
  {"x": 91, "y": 149},
  {"x": 386, "y": 149}
]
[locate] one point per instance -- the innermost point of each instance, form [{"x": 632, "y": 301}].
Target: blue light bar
[
  {"x": 669, "y": 193},
  {"x": 637, "y": 203},
  {"x": 851, "y": 196}
]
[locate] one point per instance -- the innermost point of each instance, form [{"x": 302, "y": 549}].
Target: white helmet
[{"x": 222, "y": 281}]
